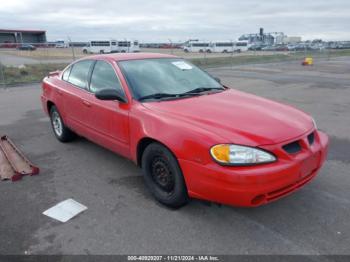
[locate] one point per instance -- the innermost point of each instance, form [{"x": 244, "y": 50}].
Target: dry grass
[
  {"x": 67, "y": 53},
  {"x": 28, "y": 74},
  {"x": 62, "y": 53},
  {"x": 46, "y": 53}
]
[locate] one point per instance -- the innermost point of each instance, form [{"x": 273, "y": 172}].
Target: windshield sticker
[{"x": 182, "y": 65}]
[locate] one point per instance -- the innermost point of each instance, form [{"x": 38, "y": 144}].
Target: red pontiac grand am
[{"x": 192, "y": 136}]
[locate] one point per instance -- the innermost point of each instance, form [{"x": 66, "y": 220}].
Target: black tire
[
  {"x": 85, "y": 51},
  {"x": 163, "y": 176},
  {"x": 102, "y": 52},
  {"x": 62, "y": 133}
]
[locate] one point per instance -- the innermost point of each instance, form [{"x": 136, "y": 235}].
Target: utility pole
[
  {"x": 71, "y": 45},
  {"x": 171, "y": 46}
]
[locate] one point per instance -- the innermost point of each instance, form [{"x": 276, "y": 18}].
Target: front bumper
[{"x": 256, "y": 185}]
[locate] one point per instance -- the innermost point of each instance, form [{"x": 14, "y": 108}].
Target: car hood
[{"x": 238, "y": 117}]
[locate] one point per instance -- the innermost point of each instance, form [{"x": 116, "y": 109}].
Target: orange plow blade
[{"x": 13, "y": 164}]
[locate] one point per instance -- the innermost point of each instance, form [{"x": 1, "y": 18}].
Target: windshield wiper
[
  {"x": 166, "y": 95},
  {"x": 196, "y": 91},
  {"x": 203, "y": 89},
  {"x": 158, "y": 96}
]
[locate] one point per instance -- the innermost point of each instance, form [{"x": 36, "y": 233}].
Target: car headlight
[{"x": 229, "y": 154}]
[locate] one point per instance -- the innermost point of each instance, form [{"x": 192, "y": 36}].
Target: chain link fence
[{"x": 29, "y": 63}]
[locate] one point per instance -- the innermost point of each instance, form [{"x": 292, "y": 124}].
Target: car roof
[{"x": 129, "y": 56}]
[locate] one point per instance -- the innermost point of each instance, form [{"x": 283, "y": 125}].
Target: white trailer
[
  {"x": 101, "y": 47},
  {"x": 195, "y": 47},
  {"x": 222, "y": 47}
]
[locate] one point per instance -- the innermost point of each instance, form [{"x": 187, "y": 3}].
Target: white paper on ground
[{"x": 65, "y": 210}]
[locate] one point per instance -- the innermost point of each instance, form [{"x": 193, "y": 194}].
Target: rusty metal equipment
[{"x": 13, "y": 164}]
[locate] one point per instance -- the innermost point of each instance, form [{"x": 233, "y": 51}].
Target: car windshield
[{"x": 166, "y": 78}]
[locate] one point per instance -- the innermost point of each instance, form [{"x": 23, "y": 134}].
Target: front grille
[
  {"x": 311, "y": 138},
  {"x": 292, "y": 148}
]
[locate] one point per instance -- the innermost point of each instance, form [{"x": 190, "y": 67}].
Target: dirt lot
[{"x": 122, "y": 217}]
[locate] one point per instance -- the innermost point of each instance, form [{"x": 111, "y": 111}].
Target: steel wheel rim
[
  {"x": 162, "y": 175},
  {"x": 57, "y": 123}
]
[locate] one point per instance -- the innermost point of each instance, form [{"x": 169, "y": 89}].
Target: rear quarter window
[
  {"x": 66, "y": 73},
  {"x": 79, "y": 73}
]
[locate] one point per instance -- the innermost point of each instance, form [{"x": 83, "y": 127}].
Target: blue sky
[{"x": 159, "y": 20}]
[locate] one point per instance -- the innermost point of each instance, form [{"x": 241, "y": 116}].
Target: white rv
[
  {"x": 124, "y": 46},
  {"x": 127, "y": 46},
  {"x": 223, "y": 47},
  {"x": 241, "y": 46},
  {"x": 195, "y": 47},
  {"x": 135, "y": 47},
  {"x": 101, "y": 47}
]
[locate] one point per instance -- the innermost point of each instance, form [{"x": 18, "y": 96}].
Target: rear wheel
[
  {"x": 163, "y": 176},
  {"x": 62, "y": 133}
]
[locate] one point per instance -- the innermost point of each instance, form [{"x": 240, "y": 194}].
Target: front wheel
[
  {"x": 62, "y": 133},
  {"x": 163, "y": 176}
]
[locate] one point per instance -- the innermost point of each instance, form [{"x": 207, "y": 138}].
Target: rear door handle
[{"x": 86, "y": 103}]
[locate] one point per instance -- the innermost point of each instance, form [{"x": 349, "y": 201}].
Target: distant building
[
  {"x": 291, "y": 39},
  {"x": 271, "y": 38},
  {"x": 22, "y": 36},
  {"x": 262, "y": 38}
]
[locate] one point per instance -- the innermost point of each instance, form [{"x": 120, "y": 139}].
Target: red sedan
[{"x": 192, "y": 136}]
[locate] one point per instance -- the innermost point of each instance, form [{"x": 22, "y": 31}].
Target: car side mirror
[
  {"x": 217, "y": 79},
  {"x": 110, "y": 94}
]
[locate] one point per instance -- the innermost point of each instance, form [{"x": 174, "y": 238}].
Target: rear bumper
[{"x": 255, "y": 185}]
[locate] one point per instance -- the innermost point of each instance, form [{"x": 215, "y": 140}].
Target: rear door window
[{"x": 79, "y": 73}]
